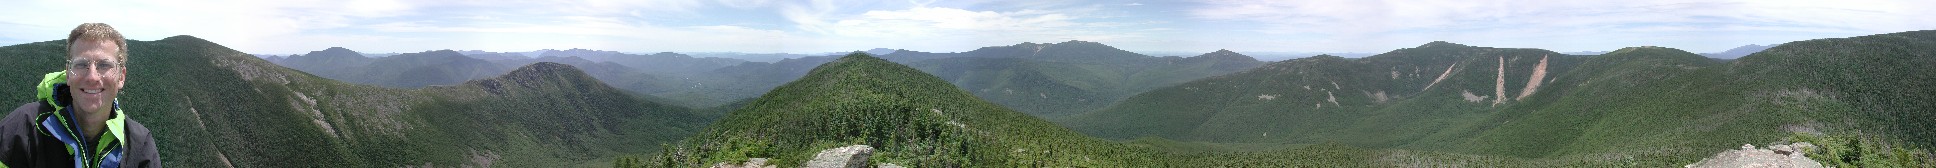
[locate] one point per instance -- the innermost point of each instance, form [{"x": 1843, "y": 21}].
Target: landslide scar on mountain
[
  {"x": 1448, "y": 72},
  {"x": 1532, "y": 84},
  {"x": 1469, "y": 97},
  {"x": 1331, "y": 98},
  {"x": 1499, "y": 83}
]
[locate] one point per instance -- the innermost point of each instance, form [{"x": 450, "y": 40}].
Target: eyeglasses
[{"x": 85, "y": 65}]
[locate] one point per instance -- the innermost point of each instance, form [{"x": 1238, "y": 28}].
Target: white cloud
[{"x": 745, "y": 3}]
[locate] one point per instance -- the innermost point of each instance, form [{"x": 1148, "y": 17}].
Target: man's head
[{"x": 96, "y": 55}]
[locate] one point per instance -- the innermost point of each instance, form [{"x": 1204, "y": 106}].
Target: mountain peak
[
  {"x": 438, "y": 54},
  {"x": 1441, "y": 44},
  {"x": 535, "y": 75},
  {"x": 1656, "y": 52},
  {"x": 881, "y": 51},
  {"x": 543, "y": 68},
  {"x": 1224, "y": 52},
  {"x": 1646, "y": 48},
  {"x": 902, "y": 105},
  {"x": 185, "y": 38},
  {"x": 1078, "y": 42},
  {"x": 333, "y": 52}
]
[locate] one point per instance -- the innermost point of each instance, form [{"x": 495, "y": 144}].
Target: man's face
[{"x": 93, "y": 85}]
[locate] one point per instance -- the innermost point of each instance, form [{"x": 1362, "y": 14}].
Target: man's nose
[{"x": 92, "y": 75}]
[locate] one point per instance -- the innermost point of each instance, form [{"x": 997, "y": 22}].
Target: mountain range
[
  {"x": 1067, "y": 104},
  {"x": 1738, "y": 52},
  {"x": 1661, "y": 104},
  {"x": 1047, "y": 79}
]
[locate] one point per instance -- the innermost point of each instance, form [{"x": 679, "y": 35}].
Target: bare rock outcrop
[
  {"x": 750, "y": 163},
  {"x": 1791, "y": 155},
  {"x": 846, "y": 157}
]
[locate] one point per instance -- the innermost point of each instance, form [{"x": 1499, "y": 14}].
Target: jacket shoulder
[
  {"x": 22, "y": 118},
  {"x": 18, "y": 135},
  {"x": 141, "y": 147}
]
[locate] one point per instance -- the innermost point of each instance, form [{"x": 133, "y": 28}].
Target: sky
[{"x": 818, "y": 26}]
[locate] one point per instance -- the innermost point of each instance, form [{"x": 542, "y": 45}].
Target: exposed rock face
[
  {"x": 1773, "y": 156},
  {"x": 1428, "y": 87},
  {"x": 1499, "y": 86},
  {"x": 846, "y": 157},
  {"x": 1532, "y": 82},
  {"x": 1469, "y": 97},
  {"x": 750, "y": 163}
]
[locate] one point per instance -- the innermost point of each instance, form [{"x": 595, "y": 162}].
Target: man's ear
[{"x": 123, "y": 82}]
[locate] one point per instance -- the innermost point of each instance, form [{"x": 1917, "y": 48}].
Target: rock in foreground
[
  {"x": 1775, "y": 156},
  {"x": 846, "y": 157}
]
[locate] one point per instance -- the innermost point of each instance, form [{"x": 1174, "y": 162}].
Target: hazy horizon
[{"x": 763, "y": 26}]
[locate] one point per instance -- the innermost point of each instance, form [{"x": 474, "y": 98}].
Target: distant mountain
[
  {"x": 212, "y": 106},
  {"x": 1661, "y": 106},
  {"x": 1066, "y": 78},
  {"x": 274, "y": 59},
  {"x": 1072, "y": 50},
  {"x": 881, "y": 51},
  {"x": 1586, "y": 52},
  {"x": 408, "y": 70},
  {"x": 669, "y": 74},
  {"x": 333, "y": 62},
  {"x": 1080, "y": 75},
  {"x": 672, "y": 64},
  {"x": 412, "y": 70},
  {"x": 493, "y": 56},
  {"x": 663, "y": 63},
  {"x": 910, "y": 118},
  {"x": 1042, "y": 79},
  {"x": 581, "y": 53},
  {"x": 753, "y": 57},
  {"x": 1737, "y": 52}
]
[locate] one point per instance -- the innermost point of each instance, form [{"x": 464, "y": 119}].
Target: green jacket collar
[{"x": 49, "y": 84}]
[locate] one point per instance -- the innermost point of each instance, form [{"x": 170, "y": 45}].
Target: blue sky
[{"x": 813, "y": 26}]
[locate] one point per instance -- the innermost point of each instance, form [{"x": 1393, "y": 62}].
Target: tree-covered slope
[
  {"x": 210, "y": 106},
  {"x": 1060, "y": 79},
  {"x": 911, "y": 118},
  {"x": 1657, "y": 105}
]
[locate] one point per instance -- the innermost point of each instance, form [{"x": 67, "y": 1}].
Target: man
[{"x": 76, "y": 122}]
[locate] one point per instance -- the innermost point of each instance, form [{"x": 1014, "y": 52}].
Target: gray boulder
[
  {"x": 842, "y": 157},
  {"x": 1792, "y": 155},
  {"x": 750, "y": 163}
]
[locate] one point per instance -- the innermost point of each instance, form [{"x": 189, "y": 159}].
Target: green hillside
[
  {"x": 210, "y": 106},
  {"x": 917, "y": 119},
  {"x": 1060, "y": 79},
  {"x": 912, "y": 118},
  {"x": 1657, "y": 106}
]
